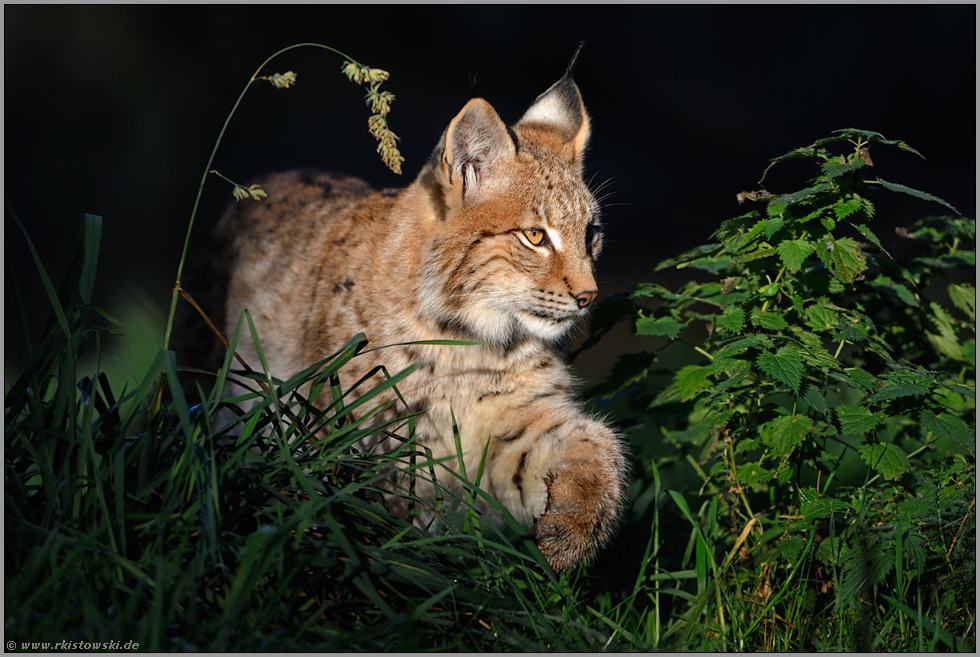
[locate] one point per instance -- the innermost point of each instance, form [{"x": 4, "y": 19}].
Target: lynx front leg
[{"x": 570, "y": 481}]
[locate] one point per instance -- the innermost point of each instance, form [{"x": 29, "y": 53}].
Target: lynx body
[{"x": 494, "y": 242}]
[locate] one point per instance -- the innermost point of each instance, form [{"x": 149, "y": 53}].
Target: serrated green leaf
[
  {"x": 970, "y": 352},
  {"x": 739, "y": 347},
  {"x": 794, "y": 253},
  {"x": 751, "y": 235},
  {"x": 837, "y": 167},
  {"x": 885, "y": 283},
  {"x": 816, "y": 400},
  {"x": 768, "y": 320},
  {"x": 821, "y": 318},
  {"x": 854, "y": 328},
  {"x": 666, "y": 327},
  {"x": 796, "y": 197},
  {"x": 763, "y": 250},
  {"x": 871, "y": 237},
  {"x": 746, "y": 445},
  {"x": 786, "y": 433},
  {"x": 731, "y": 320},
  {"x": 964, "y": 297},
  {"x": 951, "y": 427},
  {"x": 813, "y": 508},
  {"x": 845, "y": 207},
  {"x": 772, "y": 225},
  {"x": 717, "y": 418},
  {"x": 734, "y": 228},
  {"x": 902, "y": 383},
  {"x": 865, "y": 564},
  {"x": 706, "y": 250},
  {"x": 713, "y": 265},
  {"x": 869, "y": 208},
  {"x": 857, "y": 419},
  {"x": 753, "y": 475},
  {"x": 842, "y": 257},
  {"x": 862, "y": 378},
  {"x": 692, "y": 379},
  {"x": 645, "y": 290},
  {"x": 887, "y": 459},
  {"x": 946, "y": 342},
  {"x": 808, "y": 338},
  {"x": 894, "y": 187},
  {"x": 816, "y": 356},
  {"x": 789, "y": 548},
  {"x": 785, "y": 366},
  {"x": 769, "y": 290},
  {"x": 850, "y": 134},
  {"x": 776, "y": 209},
  {"x": 738, "y": 368}
]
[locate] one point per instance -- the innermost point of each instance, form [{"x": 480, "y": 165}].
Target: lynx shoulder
[{"x": 495, "y": 242}]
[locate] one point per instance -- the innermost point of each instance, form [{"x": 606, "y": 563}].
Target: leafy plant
[{"x": 829, "y": 411}]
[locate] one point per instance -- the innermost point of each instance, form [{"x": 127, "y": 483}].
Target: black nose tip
[{"x": 585, "y": 298}]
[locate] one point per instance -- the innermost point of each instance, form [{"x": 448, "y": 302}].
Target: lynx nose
[{"x": 585, "y": 298}]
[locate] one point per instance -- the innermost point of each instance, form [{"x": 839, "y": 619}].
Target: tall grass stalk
[{"x": 355, "y": 71}]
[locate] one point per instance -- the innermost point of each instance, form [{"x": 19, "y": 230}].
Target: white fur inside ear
[
  {"x": 549, "y": 109},
  {"x": 471, "y": 175},
  {"x": 477, "y": 140}
]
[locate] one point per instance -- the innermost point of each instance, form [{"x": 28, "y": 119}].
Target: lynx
[{"x": 495, "y": 242}]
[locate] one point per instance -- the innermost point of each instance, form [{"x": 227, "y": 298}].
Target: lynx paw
[{"x": 583, "y": 504}]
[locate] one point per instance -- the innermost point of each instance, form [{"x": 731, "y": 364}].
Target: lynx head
[{"x": 512, "y": 230}]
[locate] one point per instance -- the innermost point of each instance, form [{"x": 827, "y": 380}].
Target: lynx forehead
[{"x": 495, "y": 241}]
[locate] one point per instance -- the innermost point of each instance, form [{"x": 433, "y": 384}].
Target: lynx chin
[{"x": 496, "y": 242}]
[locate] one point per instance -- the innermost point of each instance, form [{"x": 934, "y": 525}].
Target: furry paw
[{"x": 583, "y": 505}]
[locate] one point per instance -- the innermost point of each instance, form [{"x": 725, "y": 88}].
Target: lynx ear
[
  {"x": 561, "y": 114},
  {"x": 475, "y": 145}
]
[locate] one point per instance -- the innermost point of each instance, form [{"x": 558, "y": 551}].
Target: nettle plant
[{"x": 831, "y": 407}]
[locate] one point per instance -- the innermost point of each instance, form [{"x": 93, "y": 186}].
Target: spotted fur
[{"x": 495, "y": 241}]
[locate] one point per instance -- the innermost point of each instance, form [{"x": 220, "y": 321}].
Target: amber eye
[{"x": 535, "y": 236}]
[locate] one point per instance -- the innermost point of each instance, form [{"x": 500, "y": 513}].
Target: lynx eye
[
  {"x": 591, "y": 237},
  {"x": 536, "y": 236}
]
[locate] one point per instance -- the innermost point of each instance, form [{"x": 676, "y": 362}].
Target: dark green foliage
[{"x": 828, "y": 407}]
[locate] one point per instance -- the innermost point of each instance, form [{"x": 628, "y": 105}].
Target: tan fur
[{"x": 324, "y": 257}]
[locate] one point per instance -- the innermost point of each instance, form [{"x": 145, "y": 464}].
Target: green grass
[{"x": 179, "y": 532}]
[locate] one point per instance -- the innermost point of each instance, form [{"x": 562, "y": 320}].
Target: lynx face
[
  {"x": 495, "y": 242},
  {"x": 527, "y": 270},
  {"x": 519, "y": 231}
]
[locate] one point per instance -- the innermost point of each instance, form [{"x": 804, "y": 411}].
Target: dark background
[{"x": 114, "y": 111}]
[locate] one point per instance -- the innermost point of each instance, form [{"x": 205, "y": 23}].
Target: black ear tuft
[
  {"x": 560, "y": 113},
  {"x": 475, "y": 81},
  {"x": 574, "y": 61}
]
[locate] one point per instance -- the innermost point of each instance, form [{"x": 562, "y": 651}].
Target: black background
[{"x": 114, "y": 111}]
